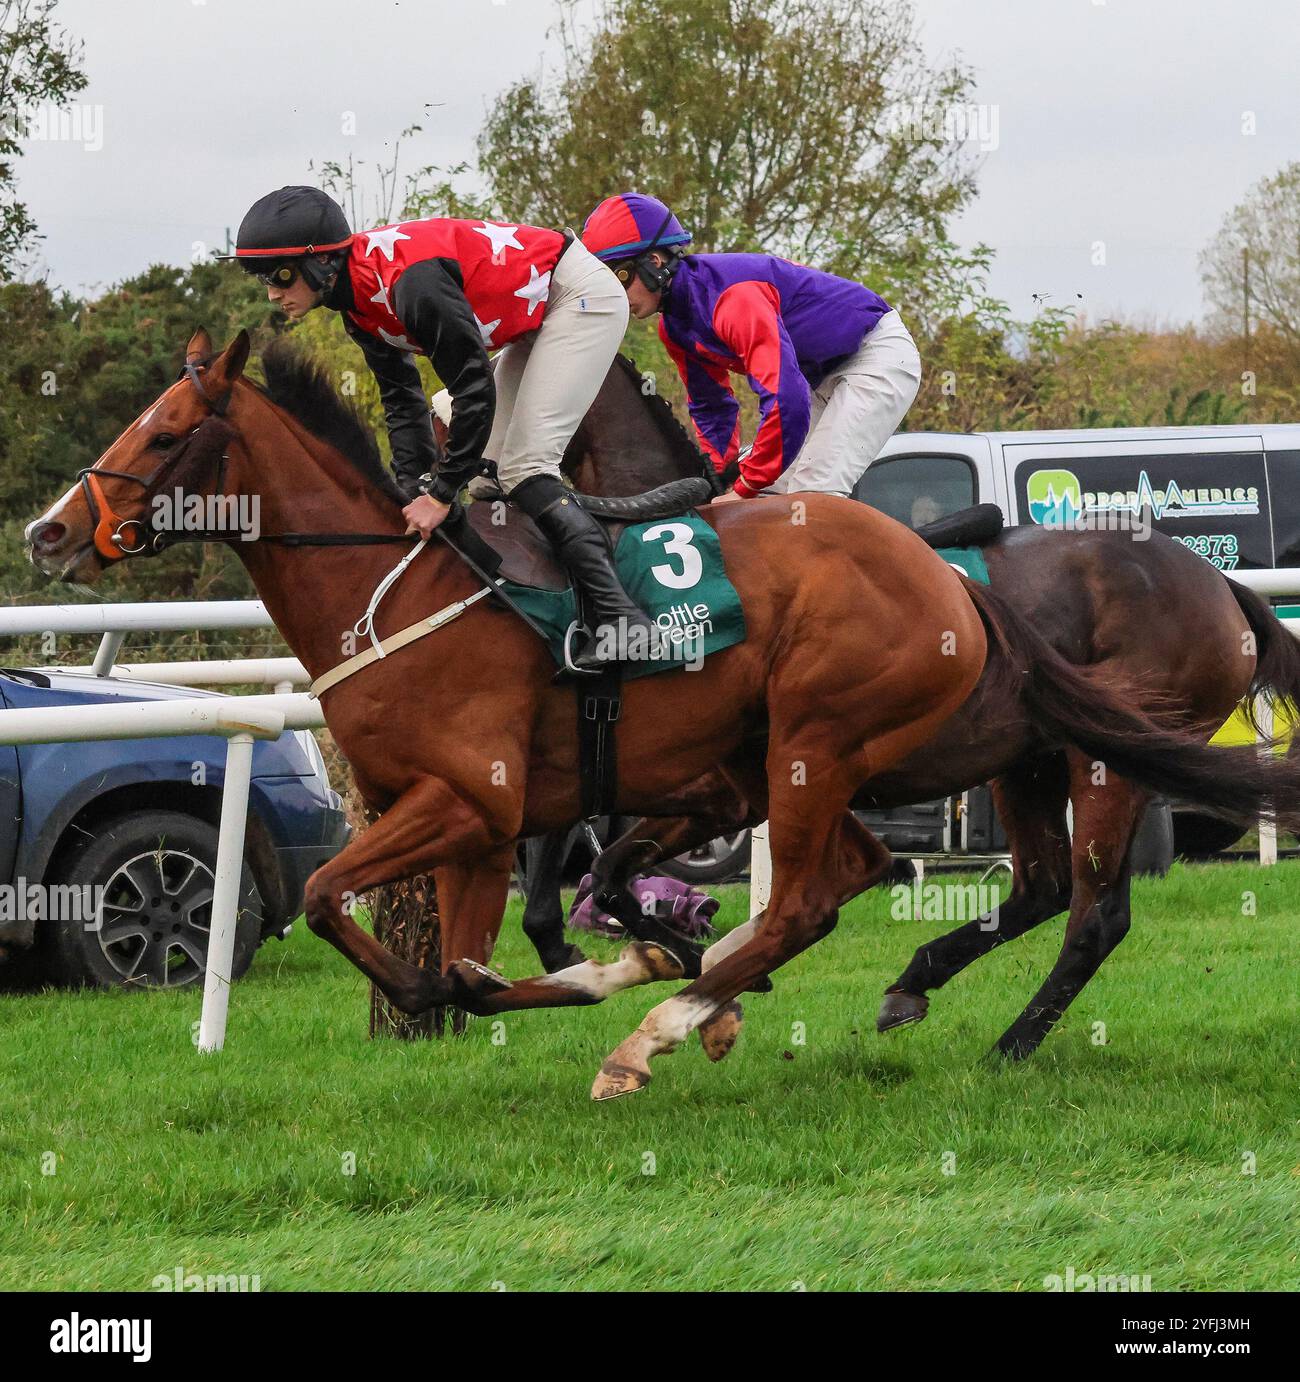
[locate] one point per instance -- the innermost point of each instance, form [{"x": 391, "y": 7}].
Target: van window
[{"x": 918, "y": 489}]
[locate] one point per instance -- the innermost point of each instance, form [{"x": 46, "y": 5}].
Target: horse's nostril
[{"x": 46, "y": 534}]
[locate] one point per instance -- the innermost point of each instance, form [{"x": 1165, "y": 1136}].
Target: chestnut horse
[{"x": 861, "y": 644}]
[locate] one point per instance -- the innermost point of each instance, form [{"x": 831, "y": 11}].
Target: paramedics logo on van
[{"x": 1056, "y": 499}]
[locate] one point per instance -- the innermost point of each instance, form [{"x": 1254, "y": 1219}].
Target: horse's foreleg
[
  {"x": 471, "y": 902},
  {"x": 820, "y": 859},
  {"x": 429, "y": 824},
  {"x": 582, "y": 984}
]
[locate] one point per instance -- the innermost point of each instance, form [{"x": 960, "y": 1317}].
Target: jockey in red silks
[
  {"x": 833, "y": 366},
  {"x": 453, "y": 290}
]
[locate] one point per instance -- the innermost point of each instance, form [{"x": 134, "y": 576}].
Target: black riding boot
[{"x": 583, "y": 550}]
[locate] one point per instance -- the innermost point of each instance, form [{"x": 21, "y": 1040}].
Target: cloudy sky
[{"x": 1115, "y": 121}]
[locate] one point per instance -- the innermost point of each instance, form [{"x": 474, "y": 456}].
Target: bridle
[{"x": 109, "y": 527}]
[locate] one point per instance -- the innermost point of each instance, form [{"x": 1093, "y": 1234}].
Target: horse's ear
[
  {"x": 199, "y": 348},
  {"x": 229, "y": 365}
]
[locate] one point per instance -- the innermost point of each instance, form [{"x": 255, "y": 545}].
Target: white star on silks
[
  {"x": 382, "y": 295},
  {"x": 385, "y": 239},
  {"x": 502, "y": 237},
  {"x": 399, "y": 341},
  {"x": 485, "y": 329},
  {"x": 536, "y": 290}
]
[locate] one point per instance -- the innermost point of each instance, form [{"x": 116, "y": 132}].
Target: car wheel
[
  {"x": 151, "y": 909},
  {"x": 715, "y": 862}
]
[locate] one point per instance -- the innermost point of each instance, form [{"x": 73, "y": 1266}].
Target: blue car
[{"x": 107, "y": 849}]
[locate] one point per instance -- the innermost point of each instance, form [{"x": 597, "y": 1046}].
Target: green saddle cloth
[
  {"x": 968, "y": 560},
  {"x": 673, "y": 569}
]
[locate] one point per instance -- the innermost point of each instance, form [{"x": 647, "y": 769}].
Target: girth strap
[{"x": 600, "y": 703}]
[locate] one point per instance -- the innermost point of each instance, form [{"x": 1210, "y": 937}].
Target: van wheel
[{"x": 146, "y": 922}]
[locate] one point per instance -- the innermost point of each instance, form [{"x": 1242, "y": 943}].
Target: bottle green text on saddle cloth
[{"x": 673, "y": 569}]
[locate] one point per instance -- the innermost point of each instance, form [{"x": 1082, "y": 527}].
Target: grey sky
[{"x": 1118, "y": 122}]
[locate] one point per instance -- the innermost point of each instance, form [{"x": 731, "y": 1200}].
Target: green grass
[{"x": 819, "y": 1163}]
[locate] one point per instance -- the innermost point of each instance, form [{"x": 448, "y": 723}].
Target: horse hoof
[
  {"x": 616, "y": 1080},
  {"x": 625, "y": 1071},
  {"x": 478, "y": 980},
  {"x": 898, "y": 1009},
  {"x": 656, "y": 962},
  {"x": 718, "y": 1035}
]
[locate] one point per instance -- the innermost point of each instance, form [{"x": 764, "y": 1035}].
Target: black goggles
[{"x": 278, "y": 276}]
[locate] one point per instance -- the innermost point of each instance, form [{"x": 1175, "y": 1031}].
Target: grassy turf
[{"x": 821, "y": 1163}]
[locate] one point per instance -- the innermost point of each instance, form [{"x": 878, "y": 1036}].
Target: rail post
[
  {"x": 240, "y": 730},
  {"x": 1267, "y": 823}
]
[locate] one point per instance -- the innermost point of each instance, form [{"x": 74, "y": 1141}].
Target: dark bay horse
[
  {"x": 465, "y": 744},
  {"x": 1151, "y": 615}
]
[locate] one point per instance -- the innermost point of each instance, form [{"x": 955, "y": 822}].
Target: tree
[
  {"x": 73, "y": 375},
  {"x": 39, "y": 65},
  {"x": 812, "y": 128},
  {"x": 1254, "y": 260}
]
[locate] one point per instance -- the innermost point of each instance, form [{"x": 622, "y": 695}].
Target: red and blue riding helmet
[{"x": 623, "y": 230}]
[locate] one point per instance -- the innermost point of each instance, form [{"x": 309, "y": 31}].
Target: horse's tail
[
  {"x": 1070, "y": 705},
  {"x": 1277, "y": 654}
]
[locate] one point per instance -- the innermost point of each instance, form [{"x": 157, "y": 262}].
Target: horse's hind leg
[
  {"x": 1030, "y": 801},
  {"x": 1105, "y": 821},
  {"x": 819, "y": 861}
]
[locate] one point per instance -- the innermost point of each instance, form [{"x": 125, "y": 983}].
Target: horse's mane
[
  {"x": 661, "y": 411},
  {"x": 300, "y": 384}
]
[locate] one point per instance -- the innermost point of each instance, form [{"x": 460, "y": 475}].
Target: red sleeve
[
  {"x": 747, "y": 319},
  {"x": 713, "y": 407}
]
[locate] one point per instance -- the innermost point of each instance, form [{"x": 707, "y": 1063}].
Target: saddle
[
  {"x": 506, "y": 542},
  {"x": 971, "y": 527}
]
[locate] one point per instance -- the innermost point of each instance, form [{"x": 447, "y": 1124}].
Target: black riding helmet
[{"x": 289, "y": 227}]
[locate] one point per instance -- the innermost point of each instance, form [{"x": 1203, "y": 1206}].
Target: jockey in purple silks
[{"x": 833, "y": 366}]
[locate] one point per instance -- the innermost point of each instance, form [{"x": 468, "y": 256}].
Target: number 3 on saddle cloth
[
  {"x": 673, "y": 569},
  {"x": 671, "y": 566}
]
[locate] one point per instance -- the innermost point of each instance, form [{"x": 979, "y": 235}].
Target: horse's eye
[{"x": 163, "y": 440}]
